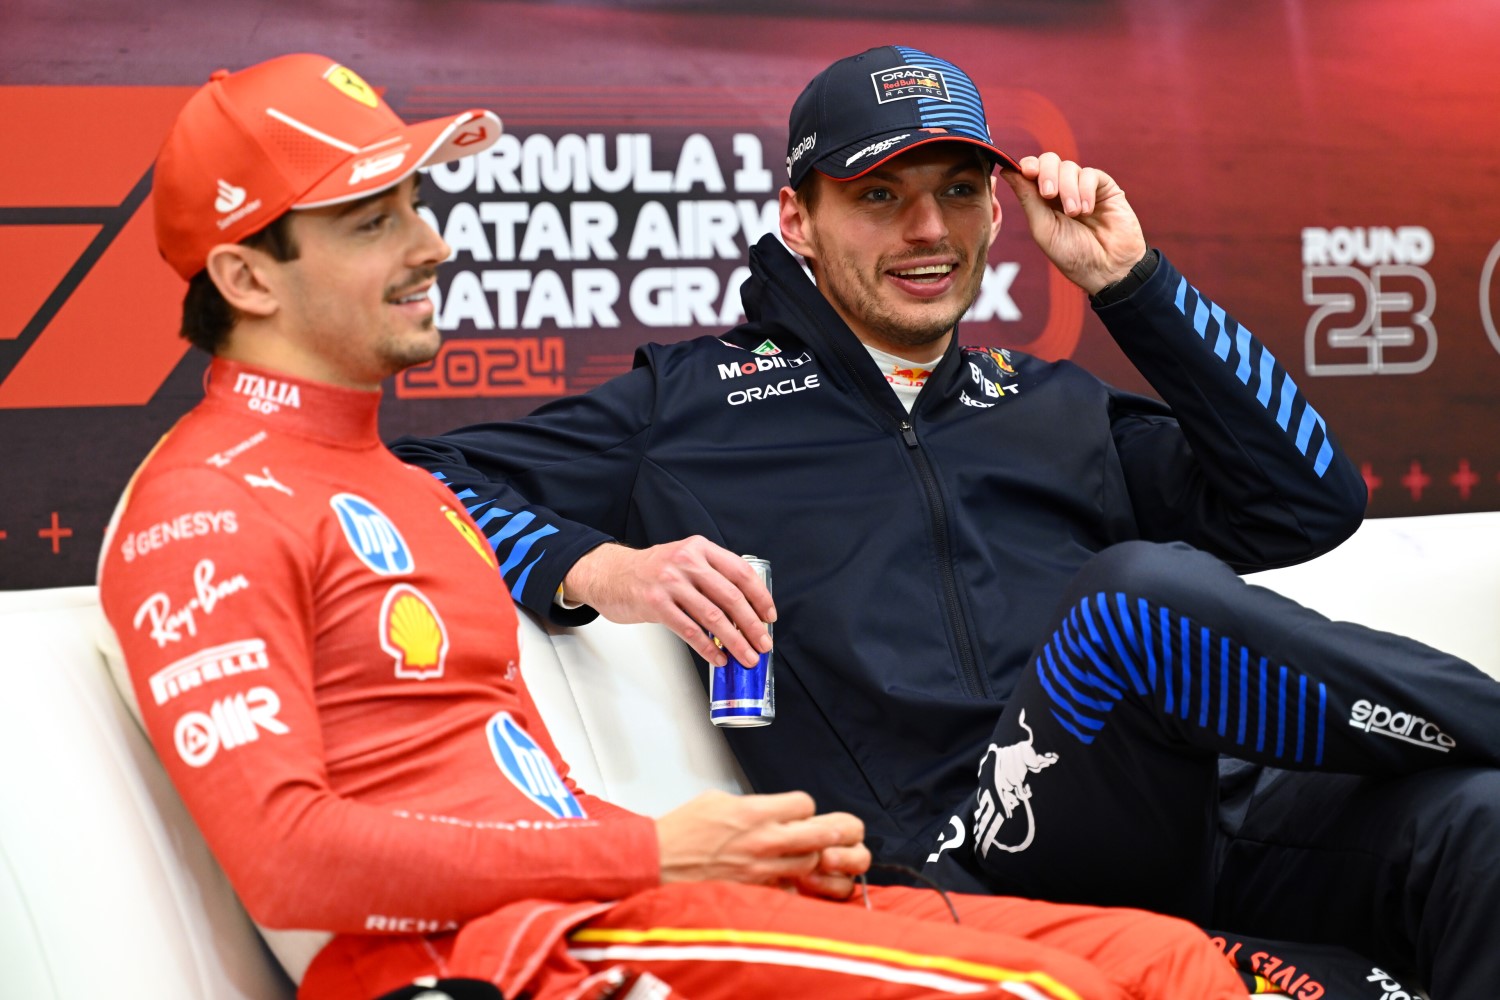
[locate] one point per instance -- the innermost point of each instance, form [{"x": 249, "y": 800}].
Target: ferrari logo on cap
[{"x": 350, "y": 84}]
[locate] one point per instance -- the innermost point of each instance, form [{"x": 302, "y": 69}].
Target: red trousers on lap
[{"x": 704, "y": 941}]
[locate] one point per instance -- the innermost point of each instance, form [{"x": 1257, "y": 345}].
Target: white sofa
[{"x": 106, "y": 889}]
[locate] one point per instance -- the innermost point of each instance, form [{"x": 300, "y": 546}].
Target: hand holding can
[{"x": 740, "y": 694}]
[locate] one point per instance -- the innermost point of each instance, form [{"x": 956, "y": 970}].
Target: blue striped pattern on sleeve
[
  {"x": 512, "y": 534},
  {"x": 1257, "y": 368}
]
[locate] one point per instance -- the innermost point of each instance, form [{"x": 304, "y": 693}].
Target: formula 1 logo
[{"x": 90, "y": 308}]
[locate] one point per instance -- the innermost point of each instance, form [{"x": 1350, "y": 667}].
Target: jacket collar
[{"x": 347, "y": 418}]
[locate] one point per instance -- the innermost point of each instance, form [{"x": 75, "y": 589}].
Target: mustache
[
  {"x": 415, "y": 280},
  {"x": 894, "y": 261}
]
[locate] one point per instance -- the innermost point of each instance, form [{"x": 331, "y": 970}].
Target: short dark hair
[{"x": 206, "y": 317}]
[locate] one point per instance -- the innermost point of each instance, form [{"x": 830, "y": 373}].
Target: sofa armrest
[{"x": 106, "y": 887}]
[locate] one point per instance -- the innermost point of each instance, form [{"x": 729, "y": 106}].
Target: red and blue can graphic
[{"x": 740, "y": 695}]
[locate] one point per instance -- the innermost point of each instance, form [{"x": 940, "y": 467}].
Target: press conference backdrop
[{"x": 1326, "y": 170}]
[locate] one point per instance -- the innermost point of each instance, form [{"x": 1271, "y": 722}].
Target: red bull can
[{"x": 741, "y": 695}]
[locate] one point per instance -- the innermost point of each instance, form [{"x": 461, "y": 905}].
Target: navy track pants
[{"x": 1372, "y": 822}]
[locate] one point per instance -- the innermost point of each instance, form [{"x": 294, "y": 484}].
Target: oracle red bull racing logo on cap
[{"x": 901, "y": 83}]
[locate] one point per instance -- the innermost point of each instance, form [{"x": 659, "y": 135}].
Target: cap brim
[
  {"x": 391, "y": 159},
  {"x": 860, "y": 158}
]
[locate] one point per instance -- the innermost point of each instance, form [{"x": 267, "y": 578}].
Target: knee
[
  {"x": 1155, "y": 571},
  {"x": 1469, "y": 811}
]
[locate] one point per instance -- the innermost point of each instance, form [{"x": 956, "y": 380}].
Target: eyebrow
[
  {"x": 359, "y": 203},
  {"x": 881, "y": 173}
]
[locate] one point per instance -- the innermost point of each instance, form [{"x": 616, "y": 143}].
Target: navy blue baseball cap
[{"x": 865, "y": 109}]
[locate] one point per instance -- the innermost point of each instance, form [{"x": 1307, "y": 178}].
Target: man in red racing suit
[{"x": 325, "y": 657}]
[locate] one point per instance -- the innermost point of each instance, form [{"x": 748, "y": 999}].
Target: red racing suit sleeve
[{"x": 219, "y": 627}]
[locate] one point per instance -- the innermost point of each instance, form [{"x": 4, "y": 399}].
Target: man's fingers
[
  {"x": 779, "y": 807},
  {"x": 746, "y": 581},
  {"x": 845, "y": 860},
  {"x": 712, "y": 618},
  {"x": 1067, "y": 187},
  {"x": 690, "y": 632},
  {"x": 826, "y": 886},
  {"x": 1088, "y": 189}
]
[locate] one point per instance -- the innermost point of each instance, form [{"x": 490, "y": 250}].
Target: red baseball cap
[{"x": 297, "y": 131}]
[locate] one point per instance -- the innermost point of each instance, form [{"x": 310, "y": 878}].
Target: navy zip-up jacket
[{"x": 917, "y": 558}]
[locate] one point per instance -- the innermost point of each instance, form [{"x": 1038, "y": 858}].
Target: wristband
[{"x": 1138, "y": 275}]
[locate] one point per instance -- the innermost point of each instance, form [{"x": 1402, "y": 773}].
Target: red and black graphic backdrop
[{"x": 1325, "y": 169}]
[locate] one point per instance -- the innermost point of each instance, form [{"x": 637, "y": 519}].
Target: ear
[
  {"x": 796, "y": 224},
  {"x": 244, "y": 277},
  {"x": 995, "y": 214}
]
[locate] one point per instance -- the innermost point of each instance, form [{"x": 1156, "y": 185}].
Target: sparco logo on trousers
[
  {"x": 1401, "y": 726},
  {"x": 1389, "y": 987},
  {"x": 1004, "y": 793}
]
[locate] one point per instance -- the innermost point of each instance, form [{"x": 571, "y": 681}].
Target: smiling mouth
[
  {"x": 411, "y": 298},
  {"x": 925, "y": 273}
]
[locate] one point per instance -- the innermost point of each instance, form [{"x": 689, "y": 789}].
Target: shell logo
[{"x": 413, "y": 633}]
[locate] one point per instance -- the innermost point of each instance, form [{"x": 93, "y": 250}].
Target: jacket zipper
[
  {"x": 937, "y": 521},
  {"x": 939, "y": 515}
]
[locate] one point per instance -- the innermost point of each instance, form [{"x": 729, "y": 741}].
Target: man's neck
[
  {"x": 926, "y": 354},
  {"x": 261, "y": 347}
]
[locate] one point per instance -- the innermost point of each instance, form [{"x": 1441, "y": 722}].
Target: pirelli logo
[{"x": 228, "y": 660}]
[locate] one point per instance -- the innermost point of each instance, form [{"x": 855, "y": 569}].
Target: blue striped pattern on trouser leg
[{"x": 1111, "y": 644}]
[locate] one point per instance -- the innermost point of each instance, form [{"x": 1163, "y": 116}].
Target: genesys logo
[
  {"x": 194, "y": 524},
  {"x": 75, "y": 222}
]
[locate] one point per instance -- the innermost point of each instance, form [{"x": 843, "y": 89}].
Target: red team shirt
[
  {"x": 303, "y": 612},
  {"x": 325, "y": 658}
]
